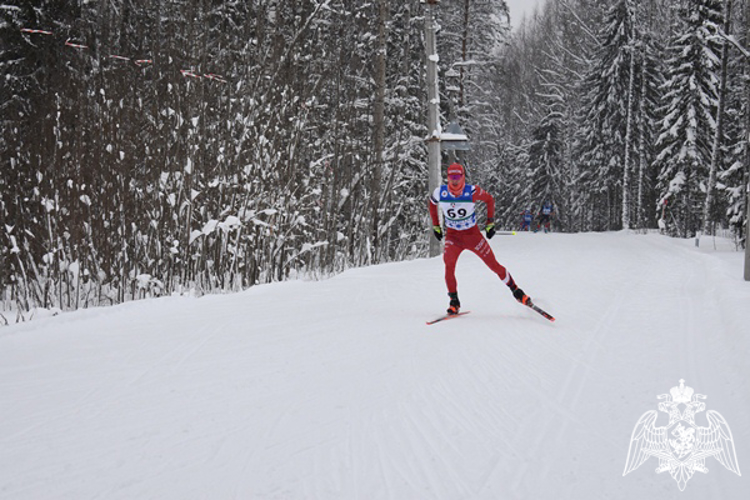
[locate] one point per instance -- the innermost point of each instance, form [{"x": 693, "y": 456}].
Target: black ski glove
[
  {"x": 438, "y": 232},
  {"x": 490, "y": 230}
]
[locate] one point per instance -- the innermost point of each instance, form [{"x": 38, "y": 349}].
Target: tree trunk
[
  {"x": 629, "y": 127},
  {"x": 639, "y": 214},
  {"x": 719, "y": 132},
  {"x": 379, "y": 125}
]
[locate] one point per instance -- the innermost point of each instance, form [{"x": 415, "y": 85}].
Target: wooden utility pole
[{"x": 433, "y": 111}]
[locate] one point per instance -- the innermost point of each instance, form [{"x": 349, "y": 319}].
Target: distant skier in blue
[
  {"x": 526, "y": 219},
  {"x": 545, "y": 216}
]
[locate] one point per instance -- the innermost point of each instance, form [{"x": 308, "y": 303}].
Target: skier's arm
[
  {"x": 434, "y": 210},
  {"x": 482, "y": 195},
  {"x": 436, "y": 229}
]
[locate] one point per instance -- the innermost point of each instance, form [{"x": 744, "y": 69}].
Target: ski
[
  {"x": 541, "y": 311},
  {"x": 447, "y": 316}
]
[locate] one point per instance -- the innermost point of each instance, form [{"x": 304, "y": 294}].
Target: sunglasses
[{"x": 455, "y": 177}]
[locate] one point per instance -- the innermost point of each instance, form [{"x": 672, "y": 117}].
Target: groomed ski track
[{"x": 338, "y": 390}]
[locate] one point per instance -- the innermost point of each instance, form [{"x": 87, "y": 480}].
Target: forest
[{"x": 206, "y": 146}]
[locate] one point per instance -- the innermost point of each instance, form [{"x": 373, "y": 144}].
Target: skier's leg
[
  {"x": 482, "y": 248},
  {"x": 545, "y": 223},
  {"x": 484, "y": 251},
  {"x": 450, "y": 256}
]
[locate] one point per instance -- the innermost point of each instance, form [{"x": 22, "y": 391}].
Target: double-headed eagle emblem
[{"x": 681, "y": 446}]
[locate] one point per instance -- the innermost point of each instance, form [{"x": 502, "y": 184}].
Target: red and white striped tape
[
  {"x": 76, "y": 45},
  {"x": 138, "y": 62},
  {"x": 213, "y": 76},
  {"x": 36, "y": 32},
  {"x": 191, "y": 74}
]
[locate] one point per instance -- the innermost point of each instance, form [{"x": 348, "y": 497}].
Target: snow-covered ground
[{"x": 338, "y": 390}]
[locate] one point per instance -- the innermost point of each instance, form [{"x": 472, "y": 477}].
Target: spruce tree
[
  {"x": 607, "y": 100},
  {"x": 688, "y": 126}
]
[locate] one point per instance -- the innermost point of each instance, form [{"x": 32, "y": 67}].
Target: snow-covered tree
[
  {"x": 609, "y": 105},
  {"x": 688, "y": 126},
  {"x": 547, "y": 168}
]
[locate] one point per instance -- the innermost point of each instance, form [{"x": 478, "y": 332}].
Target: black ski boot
[
  {"x": 455, "y": 305},
  {"x": 521, "y": 297}
]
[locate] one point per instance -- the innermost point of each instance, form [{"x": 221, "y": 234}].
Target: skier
[
  {"x": 457, "y": 201},
  {"x": 526, "y": 219},
  {"x": 545, "y": 214}
]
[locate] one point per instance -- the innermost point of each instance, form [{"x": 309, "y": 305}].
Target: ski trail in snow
[
  {"x": 337, "y": 390},
  {"x": 569, "y": 394}
]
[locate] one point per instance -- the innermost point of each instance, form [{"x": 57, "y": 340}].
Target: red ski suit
[{"x": 458, "y": 240}]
